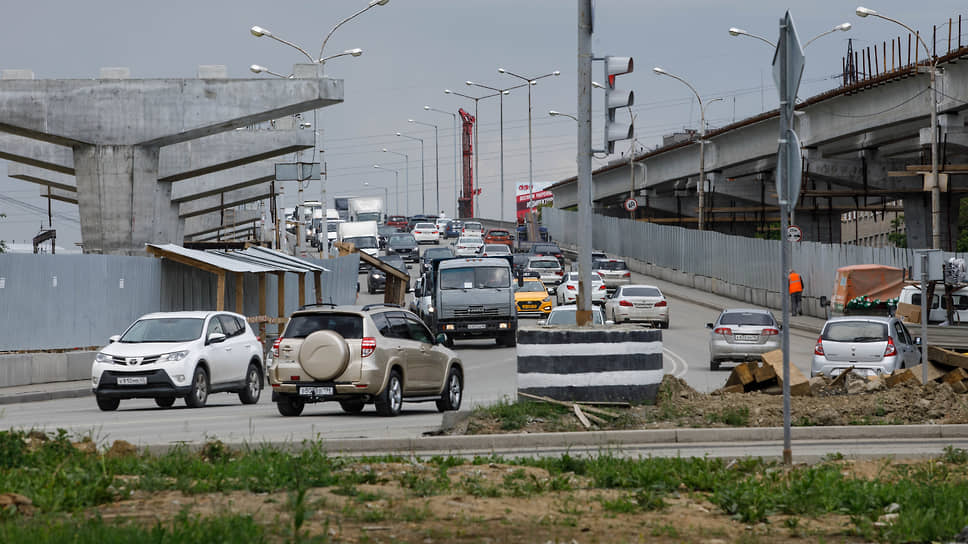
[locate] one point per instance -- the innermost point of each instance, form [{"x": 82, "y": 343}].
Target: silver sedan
[
  {"x": 638, "y": 303},
  {"x": 742, "y": 335}
]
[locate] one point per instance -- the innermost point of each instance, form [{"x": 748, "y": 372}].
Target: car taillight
[
  {"x": 625, "y": 303},
  {"x": 770, "y": 332},
  {"x": 571, "y": 287},
  {"x": 600, "y": 287},
  {"x": 890, "y": 350},
  {"x": 627, "y": 275},
  {"x": 275, "y": 347},
  {"x": 560, "y": 272},
  {"x": 818, "y": 349},
  {"x": 661, "y": 304},
  {"x": 723, "y": 330},
  {"x": 367, "y": 346}
]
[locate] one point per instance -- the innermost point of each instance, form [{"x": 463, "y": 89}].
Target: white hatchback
[
  {"x": 567, "y": 292},
  {"x": 467, "y": 246},
  {"x": 426, "y": 233},
  {"x": 172, "y": 355}
]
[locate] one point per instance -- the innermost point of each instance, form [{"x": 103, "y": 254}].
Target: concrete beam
[
  {"x": 213, "y": 222},
  {"x": 228, "y": 199},
  {"x": 152, "y": 112}
]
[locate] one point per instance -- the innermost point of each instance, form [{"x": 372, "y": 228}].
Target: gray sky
[{"x": 414, "y": 49}]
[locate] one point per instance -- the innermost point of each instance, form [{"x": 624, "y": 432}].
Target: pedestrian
[{"x": 796, "y": 292}]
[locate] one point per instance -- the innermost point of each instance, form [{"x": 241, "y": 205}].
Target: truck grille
[{"x": 477, "y": 311}]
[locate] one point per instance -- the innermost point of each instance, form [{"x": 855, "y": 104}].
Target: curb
[{"x": 35, "y": 396}]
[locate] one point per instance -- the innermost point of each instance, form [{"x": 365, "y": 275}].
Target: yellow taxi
[{"x": 531, "y": 298}]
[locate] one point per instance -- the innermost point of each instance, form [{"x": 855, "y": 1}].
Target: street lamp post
[
  {"x": 406, "y": 181},
  {"x": 423, "y": 189},
  {"x": 456, "y": 153},
  {"x": 842, "y": 27},
  {"x": 436, "y": 157},
  {"x": 531, "y": 82},
  {"x": 500, "y": 93},
  {"x": 702, "y": 140},
  {"x": 935, "y": 188},
  {"x": 554, "y": 113},
  {"x": 396, "y": 184},
  {"x": 477, "y": 122}
]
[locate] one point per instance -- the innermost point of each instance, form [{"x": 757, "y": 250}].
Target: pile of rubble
[{"x": 766, "y": 376}]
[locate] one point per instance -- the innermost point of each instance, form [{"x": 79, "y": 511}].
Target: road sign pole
[{"x": 584, "y": 110}]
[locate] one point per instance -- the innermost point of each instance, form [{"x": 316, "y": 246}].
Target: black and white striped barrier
[{"x": 590, "y": 364}]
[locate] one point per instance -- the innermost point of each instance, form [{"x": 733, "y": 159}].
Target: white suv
[{"x": 169, "y": 355}]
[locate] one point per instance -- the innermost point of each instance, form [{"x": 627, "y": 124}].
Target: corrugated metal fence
[
  {"x": 68, "y": 301},
  {"x": 739, "y": 260}
]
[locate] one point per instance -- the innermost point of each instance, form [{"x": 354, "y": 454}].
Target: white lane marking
[
  {"x": 603, "y": 348},
  {"x": 679, "y": 366},
  {"x": 589, "y": 379}
]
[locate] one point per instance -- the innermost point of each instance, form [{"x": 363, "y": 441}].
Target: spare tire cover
[{"x": 324, "y": 355}]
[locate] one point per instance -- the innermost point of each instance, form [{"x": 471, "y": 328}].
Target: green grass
[
  {"x": 734, "y": 417},
  {"x": 516, "y": 415},
  {"x": 63, "y": 482}
]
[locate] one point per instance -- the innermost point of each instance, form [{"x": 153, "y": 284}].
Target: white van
[{"x": 939, "y": 308}]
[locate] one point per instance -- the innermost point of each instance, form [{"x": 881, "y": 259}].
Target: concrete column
[
  {"x": 917, "y": 220},
  {"x": 124, "y": 205}
]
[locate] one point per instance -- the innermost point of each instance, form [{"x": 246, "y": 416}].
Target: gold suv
[{"x": 358, "y": 355}]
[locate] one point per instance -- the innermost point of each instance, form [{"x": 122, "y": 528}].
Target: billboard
[{"x": 526, "y": 199}]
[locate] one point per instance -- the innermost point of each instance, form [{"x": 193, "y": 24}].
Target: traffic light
[{"x": 615, "y": 99}]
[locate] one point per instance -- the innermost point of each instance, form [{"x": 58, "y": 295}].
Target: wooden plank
[
  {"x": 281, "y": 297},
  {"x": 581, "y": 416},
  {"x": 764, "y": 373},
  {"x": 220, "y": 291},
  {"x": 737, "y": 388},
  {"x": 302, "y": 288},
  {"x": 959, "y": 387},
  {"x": 262, "y": 304},
  {"x": 935, "y": 372},
  {"x": 238, "y": 292},
  {"x": 955, "y": 375},
  {"x": 318, "y": 286},
  {"x": 947, "y": 357},
  {"x": 744, "y": 373},
  {"x": 799, "y": 386},
  {"x": 842, "y": 376},
  {"x": 899, "y": 377}
]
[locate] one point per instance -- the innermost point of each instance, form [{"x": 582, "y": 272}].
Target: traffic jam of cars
[{"x": 470, "y": 283}]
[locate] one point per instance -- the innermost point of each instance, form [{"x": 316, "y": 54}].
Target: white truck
[
  {"x": 362, "y": 234},
  {"x": 331, "y": 227},
  {"x": 365, "y": 208}
]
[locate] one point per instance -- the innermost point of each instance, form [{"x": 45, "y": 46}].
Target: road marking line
[{"x": 677, "y": 362}]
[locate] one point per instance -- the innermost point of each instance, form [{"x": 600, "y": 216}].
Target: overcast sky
[{"x": 414, "y": 49}]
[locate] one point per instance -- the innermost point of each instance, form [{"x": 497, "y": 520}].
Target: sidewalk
[{"x": 45, "y": 391}]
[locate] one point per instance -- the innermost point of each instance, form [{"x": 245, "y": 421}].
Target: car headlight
[
  {"x": 547, "y": 299},
  {"x": 173, "y": 356},
  {"x": 103, "y": 358},
  {"x": 430, "y": 309},
  {"x": 376, "y": 276}
]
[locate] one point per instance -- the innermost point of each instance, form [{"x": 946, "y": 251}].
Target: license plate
[
  {"x": 133, "y": 380},
  {"x": 316, "y": 391},
  {"x": 529, "y": 306},
  {"x": 477, "y": 326},
  {"x": 643, "y": 305},
  {"x": 747, "y": 337}
]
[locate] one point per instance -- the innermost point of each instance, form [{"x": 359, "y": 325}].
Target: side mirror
[
  {"x": 441, "y": 338},
  {"x": 709, "y": 325},
  {"x": 917, "y": 340},
  {"x": 824, "y": 301},
  {"x": 552, "y": 290},
  {"x": 114, "y": 338},
  {"x": 216, "y": 337}
]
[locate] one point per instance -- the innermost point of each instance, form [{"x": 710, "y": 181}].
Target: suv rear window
[
  {"x": 545, "y": 248},
  {"x": 855, "y": 331},
  {"x": 610, "y": 265},
  {"x": 640, "y": 292},
  {"x": 746, "y": 318},
  {"x": 543, "y": 264},
  {"x": 347, "y": 325}
]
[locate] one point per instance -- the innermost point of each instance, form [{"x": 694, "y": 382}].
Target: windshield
[
  {"x": 573, "y": 276},
  {"x": 368, "y": 216},
  {"x": 746, "y": 318},
  {"x": 532, "y": 287},
  {"x": 640, "y": 292},
  {"x": 611, "y": 265},
  {"x": 473, "y": 226},
  {"x": 480, "y": 277},
  {"x": 543, "y": 264},
  {"x": 545, "y": 248},
  {"x": 423, "y": 226},
  {"x": 402, "y": 241},
  {"x": 347, "y": 325},
  {"x": 363, "y": 242},
  {"x": 438, "y": 253},
  {"x": 168, "y": 329},
  {"x": 855, "y": 331},
  {"x": 567, "y": 317},
  {"x": 331, "y": 227}
]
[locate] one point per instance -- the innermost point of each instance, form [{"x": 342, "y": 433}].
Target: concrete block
[
  {"x": 116, "y": 72},
  {"x": 16, "y": 74},
  {"x": 14, "y": 370},
  {"x": 213, "y": 71},
  {"x": 79, "y": 364},
  {"x": 48, "y": 367}
]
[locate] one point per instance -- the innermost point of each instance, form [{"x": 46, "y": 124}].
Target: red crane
[{"x": 466, "y": 200}]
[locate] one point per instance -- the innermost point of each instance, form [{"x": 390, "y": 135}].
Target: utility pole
[{"x": 583, "y": 315}]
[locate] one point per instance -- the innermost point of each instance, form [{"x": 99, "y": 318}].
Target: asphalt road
[{"x": 490, "y": 376}]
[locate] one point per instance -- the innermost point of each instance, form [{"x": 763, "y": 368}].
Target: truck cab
[{"x": 470, "y": 298}]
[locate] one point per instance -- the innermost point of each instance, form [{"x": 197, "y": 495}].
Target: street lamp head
[
  {"x": 733, "y": 31},
  {"x": 447, "y": 91},
  {"x": 553, "y": 112},
  {"x": 501, "y": 70},
  {"x": 843, "y": 27},
  {"x": 556, "y": 73},
  {"x": 378, "y": 2},
  {"x": 256, "y": 69},
  {"x": 259, "y": 32},
  {"x": 506, "y": 92},
  {"x": 398, "y": 134},
  {"x": 864, "y": 12},
  {"x": 410, "y": 121},
  {"x": 427, "y": 107},
  {"x": 597, "y": 85},
  {"x": 468, "y": 83},
  {"x": 356, "y": 51},
  {"x": 385, "y": 150},
  {"x": 376, "y": 166},
  {"x": 660, "y": 71}
]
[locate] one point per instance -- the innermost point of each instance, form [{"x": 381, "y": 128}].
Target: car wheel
[
  {"x": 108, "y": 404},
  {"x": 390, "y": 401},
  {"x": 165, "y": 402},
  {"x": 198, "y": 395},
  {"x": 453, "y": 392},
  {"x": 353, "y": 406},
  {"x": 713, "y": 365},
  {"x": 290, "y": 406},
  {"x": 253, "y": 386}
]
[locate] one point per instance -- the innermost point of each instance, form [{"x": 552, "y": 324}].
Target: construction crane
[{"x": 466, "y": 200}]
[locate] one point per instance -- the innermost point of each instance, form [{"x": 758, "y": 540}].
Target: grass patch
[
  {"x": 735, "y": 417},
  {"x": 514, "y": 416},
  {"x": 232, "y": 528}
]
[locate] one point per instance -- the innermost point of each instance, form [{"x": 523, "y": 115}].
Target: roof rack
[{"x": 369, "y": 307}]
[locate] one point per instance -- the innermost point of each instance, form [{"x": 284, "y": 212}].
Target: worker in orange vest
[{"x": 796, "y": 292}]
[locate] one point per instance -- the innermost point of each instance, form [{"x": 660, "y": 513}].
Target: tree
[{"x": 896, "y": 237}]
